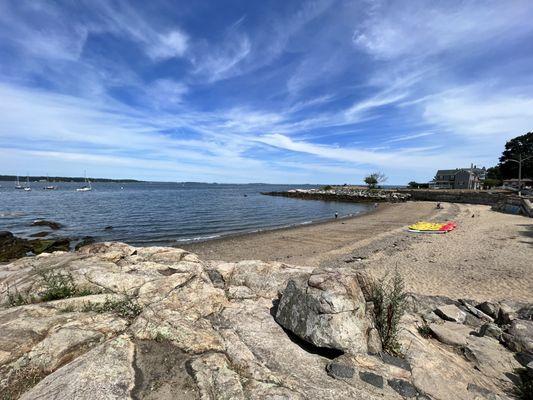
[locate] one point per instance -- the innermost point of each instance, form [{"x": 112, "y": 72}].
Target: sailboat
[
  {"x": 87, "y": 186},
  {"x": 49, "y": 187},
  {"x": 18, "y": 185},
  {"x": 27, "y": 188}
]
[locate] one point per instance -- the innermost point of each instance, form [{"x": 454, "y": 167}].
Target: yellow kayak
[
  {"x": 426, "y": 226},
  {"x": 432, "y": 227}
]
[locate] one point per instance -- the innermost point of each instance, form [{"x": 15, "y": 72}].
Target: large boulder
[
  {"x": 519, "y": 336},
  {"x": 450, "y": 333},
  {"x": 451, "y": 312},
  {"x": 12, "y": 247},
  {"x": 49, "y": 245},
  {"x": 253, "y": 278},
  {"x": 327, "y": 310},
  {"x": 51, "y": 224}
]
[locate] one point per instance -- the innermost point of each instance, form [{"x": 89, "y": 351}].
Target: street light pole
[{"x": 520, "y": 161}]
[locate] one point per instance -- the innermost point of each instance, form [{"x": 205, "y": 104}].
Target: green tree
[
  {"x": 416, "y": 185},
  {"x": 374, "y": 178},
  {"x": 494, "y": 173},
  {"x": 490, "y": 183},
  {"x": 371, "y": 181},
  {"x": 520, "y": 145}
]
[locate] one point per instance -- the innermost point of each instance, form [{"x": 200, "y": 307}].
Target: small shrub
[
  {"x": 126, "y": 307},
  {"x": 327, "y": 187},
  {"x": 18, "y": 299},
  {"x": 524, "y": 389},
  {"x": 58, "y": 286},
  {"x": 424, "y": 330},
  {"x": 389, "y": 306},
  {"x": 67, "y": 309},
  {"x": 160, "y": 337}
]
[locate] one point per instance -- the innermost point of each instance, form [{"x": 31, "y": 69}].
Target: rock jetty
[
  {"x": 345, "y": 194},
  {"x": 118, "y": 322}
]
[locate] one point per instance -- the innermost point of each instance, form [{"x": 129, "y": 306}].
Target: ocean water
[{"x": 152, "y": 213}]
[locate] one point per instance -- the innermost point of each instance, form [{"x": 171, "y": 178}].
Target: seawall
[{"x": 486, "y": 197}]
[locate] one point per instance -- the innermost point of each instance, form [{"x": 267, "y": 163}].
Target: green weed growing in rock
[
  {"x": 389, "y": 300},
  {"x": 18, "y": 299},
  {"x": 58, "y": 286},
  {"x": 424, "y": 330},
  {"x": 160, "y": 337},
  {"x": 67, "y": 309},
  {"x": 127, "y": 307}
]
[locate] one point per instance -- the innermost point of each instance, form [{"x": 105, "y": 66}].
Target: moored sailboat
[
  {"x": 87, "y": 186},
  {"x": 27, "y": 188},
  {"x": 17, "y": 184},
  {"x": 49, "y": 187}
]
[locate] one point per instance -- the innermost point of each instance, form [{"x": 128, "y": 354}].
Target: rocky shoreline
[
  {"x": 501, "y": 200},
  {"x": 345, "y": 194},
  {"x": 145, "y": 323}
]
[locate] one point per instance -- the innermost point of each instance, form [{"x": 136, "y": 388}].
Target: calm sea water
[{"x": 160, "y": 213}]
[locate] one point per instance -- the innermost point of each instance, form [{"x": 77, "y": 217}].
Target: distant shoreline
[{"x": 43, "y": 179}]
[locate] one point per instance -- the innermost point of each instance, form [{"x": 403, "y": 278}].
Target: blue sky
[{"x": 261, "y": 91}]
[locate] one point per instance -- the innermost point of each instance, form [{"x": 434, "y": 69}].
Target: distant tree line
[{"x": 13, "y": 178}]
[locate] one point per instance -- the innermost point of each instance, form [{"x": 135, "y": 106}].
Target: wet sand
[
  {"x": 488, "y": 257},
  {"x": 306, "y": 244}
]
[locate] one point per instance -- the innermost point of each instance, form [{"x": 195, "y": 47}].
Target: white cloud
[
  {"x": 410, "y": 137},
  {"x": 169, "y": 45},
  {"x": 166, "y": 92},
  {"x": 49, "y": 36},
  {"x": 401, "y": 159},
  {"x": 480, "y": 112},
  {"x": 50, "y": 31},
  {"x": 358, "y": 109},
  {"x": 420, "y": 27},
  {"x": 221, "y": 61}
]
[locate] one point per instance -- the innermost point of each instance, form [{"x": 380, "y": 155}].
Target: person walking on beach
[{"x": 336, "y": 215}]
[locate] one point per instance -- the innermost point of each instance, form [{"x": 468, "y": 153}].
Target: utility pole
[{"x": 520, "y": 161}]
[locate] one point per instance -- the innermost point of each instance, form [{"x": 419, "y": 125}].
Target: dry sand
[{"x": 488, "y": 257}]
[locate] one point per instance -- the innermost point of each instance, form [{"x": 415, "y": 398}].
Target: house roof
[
  {"x": 454, "y": 171},
  {"x": 447, "y": 171}
]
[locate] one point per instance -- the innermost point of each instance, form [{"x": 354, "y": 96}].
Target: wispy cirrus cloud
[
  {"x": 478, "y": 111},
  {"x": 410, "y": 137},
  {"x": 420, "y": 28}
]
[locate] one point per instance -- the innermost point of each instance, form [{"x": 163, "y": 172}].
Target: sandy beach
[{"x": 489, "y": 255}]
